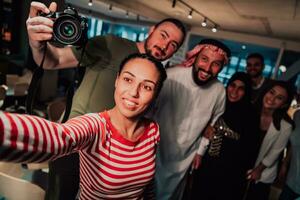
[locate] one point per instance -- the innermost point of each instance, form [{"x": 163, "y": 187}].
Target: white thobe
[{"x": 183, "y": 110}]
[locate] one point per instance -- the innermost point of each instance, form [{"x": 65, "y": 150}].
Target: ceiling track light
[
  {"x": 127, "y": 14},
  {"x": 190, "y": 16},
  {"x": 90, "y": 3},
  {"x": 110, "y": 7},
  {"x": 214, "y": 29},
  {"x": 206, "y": 20},
  {"x": 204, "y": 23}
]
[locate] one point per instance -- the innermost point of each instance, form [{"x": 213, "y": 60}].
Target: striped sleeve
[{"x": 25, "y": 138}]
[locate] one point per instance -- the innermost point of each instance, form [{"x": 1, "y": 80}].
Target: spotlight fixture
[
  {"x": 190, "y": 16},
  {"x": 110, "y": 8},
  {"x": 90, "y": 2},
  {"x": 282, "y": 68},
  {"x": 214, "y": 29},
  {"x": 204, "y": 23},
  {"x": 174, "y": 4},
  {"x": 137, "y": 17},
  {"x": 127, "y": 14}
]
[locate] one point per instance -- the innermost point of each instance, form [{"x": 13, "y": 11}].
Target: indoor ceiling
[{"x": 270, "y": 18}]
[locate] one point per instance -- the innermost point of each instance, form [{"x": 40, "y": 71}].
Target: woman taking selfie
[
  {"x": 116, "y": 147},
  {"x": 275, "y": 129}
]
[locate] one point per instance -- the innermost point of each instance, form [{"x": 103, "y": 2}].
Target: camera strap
[
  {"x": 79, "y": 72},
  {"x": 36, "y": 79},
  {"x": 35, "y": 82}
]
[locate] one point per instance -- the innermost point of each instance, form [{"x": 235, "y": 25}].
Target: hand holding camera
[
  {"x": 60, "y": 28},
  {"x": 39, "y": 28}
]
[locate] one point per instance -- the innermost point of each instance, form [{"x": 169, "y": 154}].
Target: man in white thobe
[{"x": 191, "y": 98}]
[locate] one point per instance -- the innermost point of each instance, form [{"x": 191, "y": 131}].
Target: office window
[
  {"x": 242, "y": 65},
  {"x": 100, "y": 27},
  {"x": 268, "y": 70},
  {"x": 234, "y": 60},
  {"x": 298, "y": 83}
]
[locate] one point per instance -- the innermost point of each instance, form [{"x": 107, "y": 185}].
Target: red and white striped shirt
[{"x": 111, "y": 167}]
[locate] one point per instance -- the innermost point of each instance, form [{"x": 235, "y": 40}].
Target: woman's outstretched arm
[{"x": 26, "y": 138}]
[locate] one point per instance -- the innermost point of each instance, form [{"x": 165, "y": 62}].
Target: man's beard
[
  {"x": 149, "y": 52},
  {"x": 197, "y": 80},
  {"x": 256, "y": 75}
]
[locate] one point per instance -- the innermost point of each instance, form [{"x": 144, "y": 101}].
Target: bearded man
[
  {"x": 191, "y": 98},
  {"x": 255, "y": 67}
]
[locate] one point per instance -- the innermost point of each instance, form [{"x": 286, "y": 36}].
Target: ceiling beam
[
  {"x": 136, "y": 7},
  {"x": 113, "y": 20}
]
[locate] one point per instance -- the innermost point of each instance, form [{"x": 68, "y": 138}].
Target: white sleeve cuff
[{"x": 203, "y": 146}]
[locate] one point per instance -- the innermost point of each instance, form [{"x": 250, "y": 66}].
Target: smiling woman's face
[
  {"x": 136, "y": 87},
  {"x": 275, "y": 98},
  {"x": 235, "y": 91}
]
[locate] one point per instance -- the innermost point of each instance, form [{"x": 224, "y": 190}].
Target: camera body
[{"x": 69, "y": 28}]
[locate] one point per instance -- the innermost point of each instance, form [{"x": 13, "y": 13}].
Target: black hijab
[
  {"x": 239, "y": 115},
  {"x": 243, "y": 119}
]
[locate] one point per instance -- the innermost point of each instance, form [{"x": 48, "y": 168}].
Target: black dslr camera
[{"x": 69, "y": 28}]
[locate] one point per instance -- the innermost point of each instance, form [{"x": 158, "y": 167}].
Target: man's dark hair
[
  {"x": 177, "y": 23},
  {"x": 257, "y": 55},
  {"x": 159, "y": 66}
]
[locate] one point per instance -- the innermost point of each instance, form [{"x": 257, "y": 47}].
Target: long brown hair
[{"x": 280, "y": 113}]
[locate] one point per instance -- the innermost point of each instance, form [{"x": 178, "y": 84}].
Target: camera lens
[{"x": 67, "y": 30}]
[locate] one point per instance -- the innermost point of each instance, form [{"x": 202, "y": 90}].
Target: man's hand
[
  {"x": 39, "y": 28},
  {"x": 197, "y": 161},
  {"x": 209, "y": 132},
  {"x": 255, "y": 174}
]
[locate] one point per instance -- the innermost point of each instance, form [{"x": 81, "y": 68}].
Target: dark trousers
[
  {"x": 258, "y": 191},
  {"x": 288, "y": 194},
  {"x": 63, "y": 178},
  {"x": 215, "y": 185}
]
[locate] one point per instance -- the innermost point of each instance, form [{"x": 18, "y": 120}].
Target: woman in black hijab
[{"x": 232, "y": 148}]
